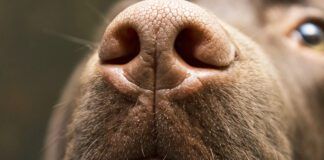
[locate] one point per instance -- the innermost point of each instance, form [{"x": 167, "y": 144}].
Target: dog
[{"x": 198, "y": 80}]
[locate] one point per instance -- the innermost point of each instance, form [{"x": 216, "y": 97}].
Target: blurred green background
[{"x": 35, "y": 62}]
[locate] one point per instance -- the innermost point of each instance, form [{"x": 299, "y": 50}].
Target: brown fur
[{"x": 268, "y": 105}]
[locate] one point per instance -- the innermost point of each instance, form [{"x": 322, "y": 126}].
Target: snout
[
  {"x": 172, "y": 81},
  {"x": 169, "y": 45}
]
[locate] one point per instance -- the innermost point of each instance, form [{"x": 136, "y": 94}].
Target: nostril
[
  {"x": 186, "y": 45},
  {"x": 204, "y": 50},
  {"x": 120, "y": 46}
]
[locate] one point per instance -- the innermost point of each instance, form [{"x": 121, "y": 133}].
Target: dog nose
[{"x": 158, "y": 44}]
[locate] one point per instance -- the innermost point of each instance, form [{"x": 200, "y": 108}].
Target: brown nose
[{"x": 159, "y": 45}]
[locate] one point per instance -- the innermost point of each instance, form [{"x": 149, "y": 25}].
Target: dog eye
[{"x": 310, "y": 34}]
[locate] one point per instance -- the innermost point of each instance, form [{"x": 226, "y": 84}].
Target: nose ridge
[{"x": 158, "y": 44}]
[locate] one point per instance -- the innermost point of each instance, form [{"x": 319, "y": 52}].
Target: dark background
[{"x": 35, "y": 62}]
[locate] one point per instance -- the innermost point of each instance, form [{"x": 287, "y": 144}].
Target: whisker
[
  {"x": 70, "y": 38},
  {"x": 165, "y": 156},
  {"x": 142, "y": 149},
  {"x": 95, "y": 10},
  {"x": 87, "y": 152},
  {"x": 212, "y": 154}
]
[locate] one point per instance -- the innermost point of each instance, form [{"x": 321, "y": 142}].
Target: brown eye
[{"x": 310, "y": 34}]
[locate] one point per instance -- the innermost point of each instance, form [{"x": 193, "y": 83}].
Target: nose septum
[{"x": 159, "y": 44}]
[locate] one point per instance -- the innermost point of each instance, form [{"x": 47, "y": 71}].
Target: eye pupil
[{"x": 312, "y": 34}]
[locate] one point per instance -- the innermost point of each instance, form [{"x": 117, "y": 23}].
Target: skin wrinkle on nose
[{"x": 157, "y": 17}]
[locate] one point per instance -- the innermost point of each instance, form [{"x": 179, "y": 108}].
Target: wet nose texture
[{"x": 158, "y": 45}]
